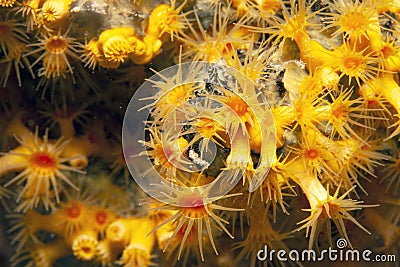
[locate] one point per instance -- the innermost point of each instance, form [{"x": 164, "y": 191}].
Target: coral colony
[{"x": 278, "y": 127}]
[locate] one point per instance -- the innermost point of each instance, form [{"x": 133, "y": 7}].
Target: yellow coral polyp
[
  {"x": 241, "y": 108},
  {"x": 107, "y": 251},
  {"x": 214, "y": 44},
  {"x": 7, "y": 3},
  {"x": 57, "y": 51},
  {"x": 344, "y": 113},
  {"x": 42, "y": 168},
  {"x": 117, "y": 49},
  {"x": 84, "y": 245},
  {"x": 119, "y": 231},
  {"x": 101, "y": 218},
  {"x": 92, "y": 54},
  {"x": 293, "y": 24},
  {"x": 255, "y": 63},
  {"x": 165, "y": 153},
  {"x": 390, "y": 55},
  {"x": 138, "y": 251},
  {"x": 80, "y": 236},
  {"x": 73, "y": 216},
  {"x": 168, "y": 100},
  {"x": 305, "y": 112},
  {"x": 357, "y": 20},
  {"x": 114, "y": 45},
  {"x": 188, "y": 219},
  {"x": 166, "y": 19},
  {"x": 52, "y": 68},
  {"x": 146, "y": 50},
  {"x": 11, "y": 38},
  {"x": 210, "y": 129},
  {"x": 134, "y": 255},
  {"x": 355, "y": 64},
  {"x": 30, "y": 9},
  {"x": 315, "y": 157},
  {"x": 323, "y": 206},
  {"x": 53, "y": 11}
]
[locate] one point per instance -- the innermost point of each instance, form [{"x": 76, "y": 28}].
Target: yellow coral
[
  {"x": 166, "y": 19},
  {"x": 7, "y": 3},
  {"x": 57, "y": 51},
  {"x": 326, "y": 70},
  {"x": 53, "y": 11},
  {"x": 41, "y": 166}
]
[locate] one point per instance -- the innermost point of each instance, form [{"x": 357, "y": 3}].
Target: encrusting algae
[{"x": 290, "y": 108}]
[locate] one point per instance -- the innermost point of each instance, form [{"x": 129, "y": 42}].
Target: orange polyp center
[
  {"x": 340, "y": 111},
  {"x": 86, "y": 250},
  {"x": 207, "y": 127},
  {"x": 352, "y": 62},
  {"x": 192, "y": 202},
  {"x": 333, "y": 209},
  {"x": 74, "y": 211},
  {"x": 57, "y": 45},
  {"x": 49, "y": 11},
  {"x": 43, "y": 160},
  {"x": 387, "y": 51},
  {"x": 238, "y": 105},
  {"x": 193, "y": 207},
  {"x": 177, "y": 95},
  {"x": 101, "y": 217},
  {"x": 311, "y": 153},
  {"x": 228, "y": 48},
  {"x": 373, "y": 103}
]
